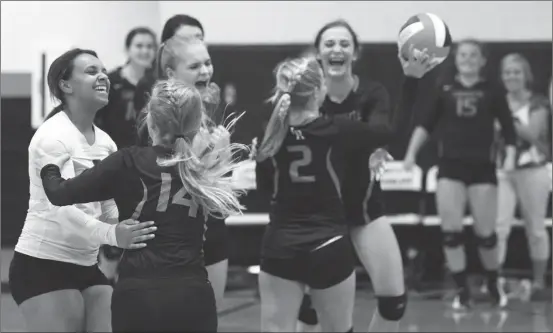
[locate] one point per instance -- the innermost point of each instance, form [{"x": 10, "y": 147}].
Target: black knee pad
[
  {"x": 487, "y": 242},
  {"x": 392, "y": 307},
  {"x": 307, "y": 314},
  {"x": 453, "y": 238}
]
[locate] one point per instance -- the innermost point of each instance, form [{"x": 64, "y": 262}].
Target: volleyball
[{"x": 425, "y": 31}]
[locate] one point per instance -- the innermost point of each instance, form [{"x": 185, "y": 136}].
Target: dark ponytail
[{"x": 61, "y": 69}]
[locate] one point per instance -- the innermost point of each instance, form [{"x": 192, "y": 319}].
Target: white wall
[
  {"x": 98, "y": 25},
  {"x": 288, "y": 22}
]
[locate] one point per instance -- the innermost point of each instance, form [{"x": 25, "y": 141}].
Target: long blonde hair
[
  {"x": 175, "y": 116},
  {"x": 297, "y": 80}
]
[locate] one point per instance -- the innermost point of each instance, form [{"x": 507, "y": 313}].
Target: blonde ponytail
[{"x": 276, "y": 129}]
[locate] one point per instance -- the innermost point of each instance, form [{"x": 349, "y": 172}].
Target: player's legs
[
  {"x": 47, "y": 294},
  {"x": 378, "y": 250},
  {"x": 506, "y": 204},
  {"x": 56, "y": 311},
  {"x": 451, "y": 199},
  {"x": 483, "y": 204},
  {"x": 97, "y": 301},
  {"x": 216, "y": 256},
  {"x": 280, "y": 302},
  {"x": 218, "y": 277},
  {"x": 533, "y": 190},
  {"x": 331, "y": 277}
]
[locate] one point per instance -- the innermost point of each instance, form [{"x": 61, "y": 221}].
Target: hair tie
[{"x": 284, "y": 105}]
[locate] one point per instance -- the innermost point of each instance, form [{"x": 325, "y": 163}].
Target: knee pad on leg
[
  {"x": 307, "y": 314},
  {"x": 487, "y": 242},
  {"x": 453, "y": 239},
  {"x": 392, "y": 307}
]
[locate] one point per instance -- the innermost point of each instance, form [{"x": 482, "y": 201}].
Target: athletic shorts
[
  {"x": 319, "y": 269},
  {"x": 31, "y": 276},
  {"x": 216, "y": 241},
  {"x": 169, "y": 304},
  {"x": 466, "y": 172}
]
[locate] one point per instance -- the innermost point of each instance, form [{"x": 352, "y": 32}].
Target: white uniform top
[{"x": 63, "y": 233}]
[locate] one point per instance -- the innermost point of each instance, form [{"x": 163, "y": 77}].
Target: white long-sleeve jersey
[{"x": 72, "y": 233}]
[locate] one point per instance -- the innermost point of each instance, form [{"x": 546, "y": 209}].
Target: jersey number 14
[{"x": 177, "y": 199}]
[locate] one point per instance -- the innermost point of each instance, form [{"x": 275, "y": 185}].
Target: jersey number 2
[
  {"x": 178, "y": 198},
  {"x": 305, "y": 160}
]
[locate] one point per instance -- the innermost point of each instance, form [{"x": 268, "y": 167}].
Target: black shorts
[
  {"x": 319, "y": 269},
  {"x": 216, "y": 241},
  {"x": 467, "y": 172},
  {"x": 30, "y": 276},
  {"x": 170, "y": 304}
]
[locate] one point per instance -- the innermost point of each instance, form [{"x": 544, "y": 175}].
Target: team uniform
[
  {"x": 58, "y": 246},
  {"x": 370, "y": 103},
  {"x": 164, "y": 286},
  {"x": 466, "y": 117},
  {"x": 304, "y": 240},
  {"x": 216, "y": 242}
]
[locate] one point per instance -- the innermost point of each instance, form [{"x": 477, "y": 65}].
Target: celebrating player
[
  {"x": 177, "y": 182},
  {"x": 54, "y": 276}
]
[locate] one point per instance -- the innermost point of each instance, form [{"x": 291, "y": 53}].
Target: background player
[
  {"x": 530, "y": 182},
  {"x": 466, "y": 108},
  {"x": 177, "y": 183},
  {"x": 54, "y": 276}
]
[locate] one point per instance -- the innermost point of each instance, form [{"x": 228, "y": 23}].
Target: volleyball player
[
  {"x": 466, "y": 108},
  {"x": 188, "y": 60},
  {"x": 54, "y": 276},
  {"x": 337, "y": 48},
  {"x": 177, "y": 182},
  {"x": 302, "y": 160},
  {"x": 216, "y": 244},
  {"x": 180, "y": 25}
]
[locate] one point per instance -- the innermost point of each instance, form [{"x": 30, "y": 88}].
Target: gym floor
[{"x": 428, "y": 312}]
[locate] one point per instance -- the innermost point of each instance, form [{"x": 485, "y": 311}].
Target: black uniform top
[
  {"x": 118, "y": 118},
  {"x": 370, "y": 103},
  {"x": 305, "y": 178},
  {"x": 143, "y": 191},
  {"x": 466, "y": 118}
]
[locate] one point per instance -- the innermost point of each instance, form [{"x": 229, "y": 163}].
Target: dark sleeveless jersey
[
  {"x": 305, "y": 178},
  {"x": 143, "y": 191},
  {"x": 370, "y": 103},
  {"x": 466, "y": 116}
]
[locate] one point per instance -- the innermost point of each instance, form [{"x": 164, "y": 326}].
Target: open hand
[
  {"x": 419, "y": 62},
  {"x": 131, "y": 234}
]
